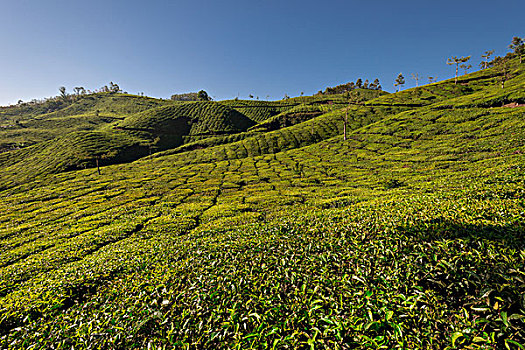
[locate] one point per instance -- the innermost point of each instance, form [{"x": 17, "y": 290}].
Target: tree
[
  {"x": 377, "y": 84},
  {"x": 366, "y": 84},
  {"x": 203, "y": 96},
  {"x": 359, "y": 83},
  {"x": 518, "y": 46},
  {"x": 79, "y": 90},
  {"x": 373, "y": 85},
  {"x": 454, "y": 60},
  {"x": 250, "y": 96},
  {"x": 502, "y": 66},
  {"x": 486, "y": 56},
  {"x": 400, "y": 80},
  {"x": 62, "y": 91},
  {"x": 432, "y": 80},
  {"x": 465, "y": 67},
  {"x": 415, "y": 76},
  {"x": 114, "y": 87}
]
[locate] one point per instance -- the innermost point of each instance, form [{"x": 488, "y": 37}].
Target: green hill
[
  {"x": 188, "y": 119},
  {"x": 30, "y": 123},
  {"x": 125, "y": 140},
  {"x": 259, "y": 111},
  {"x": 409, "y": 234}
]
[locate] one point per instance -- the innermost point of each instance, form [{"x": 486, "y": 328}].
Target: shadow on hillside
[
  {"x": 459, "y": 266},
  {"x": 510, "y": 234}
]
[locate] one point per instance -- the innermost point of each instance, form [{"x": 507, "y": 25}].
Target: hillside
[
  {"x": 188, "y": 119},
  {"x": 30, "y": 123},
  {"x": 125, "y": 139},
  {"x": 409, "y": 234}
]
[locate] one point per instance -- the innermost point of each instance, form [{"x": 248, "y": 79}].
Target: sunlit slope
[
  {"x": 482, "y": 90},
  {"x": 409, "y": 234},
  {"x": 303, "y": 134},
  {"x": 259, "y": 110},
  {"x": 134, "y": 137},
  {"x": 182, "y": 127},
  {"x": 198, "y": 118},
  {"x": 391, "y": 238},
  {"x": 484, "y": 87},
  {"x": 293, "y": 111},
  {"x": 31, "y": 123}
]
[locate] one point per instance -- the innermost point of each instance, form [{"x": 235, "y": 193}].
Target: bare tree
[
  {"x": 345, "y": 122},
  {"x": 415, "y": 76}
]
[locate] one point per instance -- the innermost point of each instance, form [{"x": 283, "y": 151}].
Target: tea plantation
[{"x": 258, "y": 226}]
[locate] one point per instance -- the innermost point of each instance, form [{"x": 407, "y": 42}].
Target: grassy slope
[
  {"x": 205, "y": 118},
  {"x": 409, "y": 235},
  {"x": 129, "y": 139},
  {"x": 259, "y": 111},
  {"x": 292, "y": 114},
  {"x": 482, "y": 84},
  {"x": 25, "y": 125}
]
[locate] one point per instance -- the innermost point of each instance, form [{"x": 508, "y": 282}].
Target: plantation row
[
  {"x": 113, "y": 254},
  {"x": 409, "y": 234}
]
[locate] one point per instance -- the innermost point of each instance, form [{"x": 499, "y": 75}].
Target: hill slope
[
  {"x": 30, "y": 123},
  {"x": 123, "y": 141},
  {"x": 410, "y": 234}
]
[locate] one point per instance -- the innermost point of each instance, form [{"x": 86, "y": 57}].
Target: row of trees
[
  {"x": 80, "y": 90},
  {"x": 192, "y": 96},
  {"x": 517, "y": 46},
  {"x": 348, "y": 87},
  {"x": 501, "y": 64},
  {"x": 50, "y": 104}
]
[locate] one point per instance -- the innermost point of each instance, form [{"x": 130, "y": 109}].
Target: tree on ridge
[
  {"x": 486, "y": 56},
  {"x": 518, "y": 46},
  {"x": 62, "y": 91},
  {"x": 456, "y": 61},
  {"x": 502, "y": 66},
  {"x": 415, "y": 76},
  {"x": 400, "y": 81},
  {"x": 465, "y": 67}
]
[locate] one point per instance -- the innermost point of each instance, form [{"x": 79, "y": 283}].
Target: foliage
[
  {"x": 518, "y": 47},
  {"x": 349, "y": 87},
  {"x": 400, "y": 81},
  {"x": 408, "y": 235},
  {"x": 457, "y": 61}
]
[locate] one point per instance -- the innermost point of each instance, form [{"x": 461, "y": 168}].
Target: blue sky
[{"x": 230, "y": 47}]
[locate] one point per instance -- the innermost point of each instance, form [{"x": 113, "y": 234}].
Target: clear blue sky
[{"x": 230, "y": 47}]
